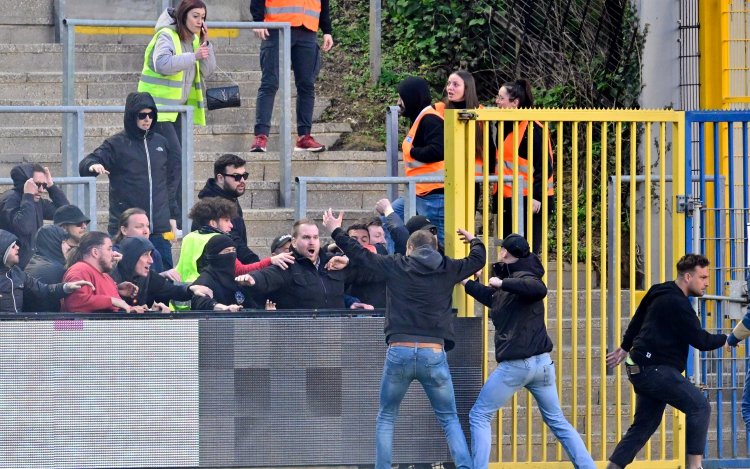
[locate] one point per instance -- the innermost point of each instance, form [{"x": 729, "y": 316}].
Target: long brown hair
[
  {"x": 180, "y": 17},
  {"x": 470, "y": 91},
  {"x": 125, "y": 221},
  {"x": 89, "y": 241}
]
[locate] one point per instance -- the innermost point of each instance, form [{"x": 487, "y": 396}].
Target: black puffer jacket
[
  {"x": 22, "y": 216},
  {"x": 151, "y": 288},
  {"x": 47, "y": 265},
  {"x": 516, "y": 309},
  {"x": 144, "y": 171},
  {"x": 15, "y": 284},
  {"x": 238, "y": 233}
]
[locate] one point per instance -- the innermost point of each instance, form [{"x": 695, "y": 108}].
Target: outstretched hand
[
  {"x": 70, "y": 287},
  {"x": 245, "y": 279},
  {"x": 330, "y": 222}
]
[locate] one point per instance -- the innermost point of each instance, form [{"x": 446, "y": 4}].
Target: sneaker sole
[
  {"x": 314, "y": 150},
  {"x": 257, "y": 150}
]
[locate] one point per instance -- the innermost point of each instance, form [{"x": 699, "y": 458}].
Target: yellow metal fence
[{"x": 600, "y": 207}]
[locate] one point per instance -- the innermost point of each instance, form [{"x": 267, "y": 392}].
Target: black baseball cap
[
  {"x": 280, "y": 240},
  {"x": 419, "y": 222},
  {"x": 69, "y": 214},
  {"x": 516, "y": 245}
]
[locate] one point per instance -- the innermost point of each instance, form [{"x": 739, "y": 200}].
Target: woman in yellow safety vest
[
  {"x": 513, "y": 95},
  {"x": 177, "y": 59}
]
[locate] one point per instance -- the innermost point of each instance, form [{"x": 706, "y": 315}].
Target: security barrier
[
  {"x": 205, "y": 389},
  {"x": 720, "y": 199},
  {"x": 642, "y": 153}
]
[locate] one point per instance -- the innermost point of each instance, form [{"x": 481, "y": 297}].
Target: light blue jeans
[
  {"x": 402, "y": 366},
  {"x": 431, "y": 206},
  {"x": 537, "y": 374}
]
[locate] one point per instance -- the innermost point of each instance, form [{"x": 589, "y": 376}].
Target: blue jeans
[
  {"x": 402, "y": 366},
  {"x": 537, "y": 374},
  {"x": 431, "y": 206},
  {"x": 306, "y": 65}
]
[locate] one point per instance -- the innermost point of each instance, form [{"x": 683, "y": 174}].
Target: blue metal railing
[{"x": 716, "y": 230}]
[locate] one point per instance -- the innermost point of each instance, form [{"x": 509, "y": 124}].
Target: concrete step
[
  {"x": 226, "y": 10},
  {"x": 231, "y": 116},
  {"x": 107, "y": 57},
  {"x": 229, "y": 138}
]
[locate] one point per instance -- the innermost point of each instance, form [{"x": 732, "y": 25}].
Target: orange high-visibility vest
[
  {"x": 478, "y": 159},
  {"x": 296, "y": 12},
  {"x": 413, "y": 167},
  {"x": 523, "y": 164}
]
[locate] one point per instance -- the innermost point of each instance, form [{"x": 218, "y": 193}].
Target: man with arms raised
[
  {"x": 655, "y": 349},
  {"x": 308, "y": 283},
  {"x": 418, "y": 329}
]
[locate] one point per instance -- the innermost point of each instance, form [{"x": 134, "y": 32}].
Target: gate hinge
[{"x": 467, "y": 116}]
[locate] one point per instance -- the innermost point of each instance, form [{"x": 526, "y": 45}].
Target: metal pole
[
  {"x": 301, "y": 209},
  {"x": 285, "y": 129},
  {"x": 611, "y": 319},
  {"x": 91, "y": 189},
  {"x": 77, "y": 156},
  {"x": 410, "y": 203},
  {"x": 391, "y": 147},
  {"x": 58, "y": 16},
  {"x": 375, "y": 52},
  {"x": 188, "y": 185},
  {"x": 69, "y": 151},
  {"x": 696, "y": 356}
]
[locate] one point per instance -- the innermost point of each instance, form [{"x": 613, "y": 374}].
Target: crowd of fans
[{"x": 61, "y": 266}]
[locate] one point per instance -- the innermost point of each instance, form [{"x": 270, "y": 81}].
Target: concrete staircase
[{"x": 107, "y": 69}]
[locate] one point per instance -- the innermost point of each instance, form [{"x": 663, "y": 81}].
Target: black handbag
[{"x": 223, "y": 96}]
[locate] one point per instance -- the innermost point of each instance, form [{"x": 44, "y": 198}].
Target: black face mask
[{"x": 501, "y": 270}]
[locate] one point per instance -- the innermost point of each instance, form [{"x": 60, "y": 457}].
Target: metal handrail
[
  {"x": 410, "y": 201},
  {"x": 89, "y": 184},
  {"x": 70, "y": 163},
  {"x": 285, "y": 149}
]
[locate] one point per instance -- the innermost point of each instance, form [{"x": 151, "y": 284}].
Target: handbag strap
[{"x": 227, "y": 75}]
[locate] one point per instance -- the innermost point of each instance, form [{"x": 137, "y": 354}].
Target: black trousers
[
  {"x": 172, "y": 131},
  {"x": 655, "y": 387}
]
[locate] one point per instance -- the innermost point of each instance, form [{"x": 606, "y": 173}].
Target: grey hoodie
[{"x": 164, "y": 61}]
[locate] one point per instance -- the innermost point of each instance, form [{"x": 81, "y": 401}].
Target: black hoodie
[
  {"x": 151, "y": 288},
  {"x": 144, "y": 171},
  {"x": 15, "y": 285},
  {"x": 22, "y": 216},
  {"x": 664, "y": 326},
  {"x": 238, "y": 232},
  {"x": 419, "y": 293},
  {"x": 516, "y": 309},
  {"x": 428, "y": 145},
  {"x": 48, "y": 265}
]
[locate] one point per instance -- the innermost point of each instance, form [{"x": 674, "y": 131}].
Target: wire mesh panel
[{"x": 719, "y": 230}]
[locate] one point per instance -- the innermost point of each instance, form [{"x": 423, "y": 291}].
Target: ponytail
[{"x": 521, "y": 90}]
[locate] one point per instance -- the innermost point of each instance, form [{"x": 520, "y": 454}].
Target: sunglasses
[
  {"x": 81, "y": 224},
  {"x": 237, "y": 177},
  {"x": 143, "y": 115},
  {"x": 41, "y": 185},
  {"x": 433, "y": 230}
]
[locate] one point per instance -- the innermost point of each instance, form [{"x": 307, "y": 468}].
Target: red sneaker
[
  {"x": 259, "y": 144},
  {"x": 307, "y": 143}
]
